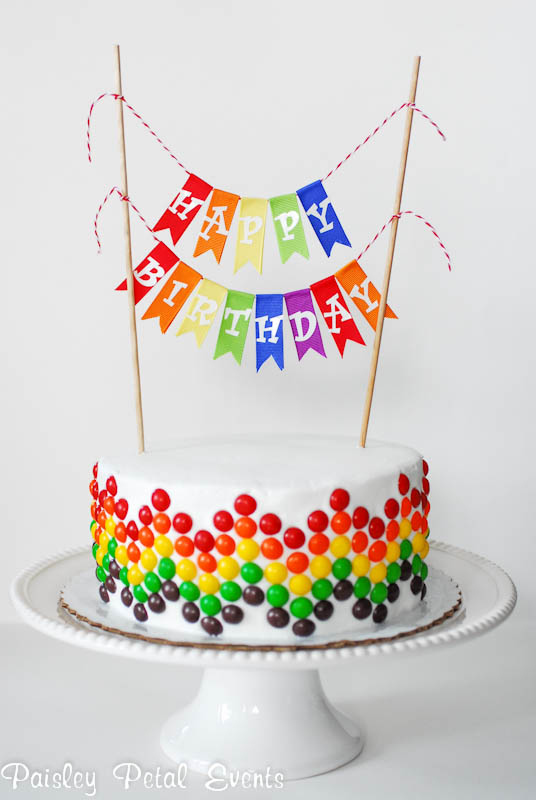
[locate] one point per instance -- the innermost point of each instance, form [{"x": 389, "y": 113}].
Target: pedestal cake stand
[{"x": 259, "y": 709}]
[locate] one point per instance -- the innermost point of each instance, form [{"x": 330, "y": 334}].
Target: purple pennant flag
[{"x": 304, "y": 323}]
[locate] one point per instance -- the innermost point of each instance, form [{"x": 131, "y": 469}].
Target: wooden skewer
[
  {"x": 128, "y": 256},
  {"x": 390, "y": 256}
]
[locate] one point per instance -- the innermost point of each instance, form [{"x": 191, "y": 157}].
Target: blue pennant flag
[
  {"x": 269, "y": 329},
  {"x": 322, "y": 216}
]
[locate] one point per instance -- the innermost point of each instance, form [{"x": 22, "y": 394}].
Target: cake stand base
[{"x": 262, "y": 721}]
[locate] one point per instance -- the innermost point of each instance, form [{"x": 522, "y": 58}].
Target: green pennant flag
[
  {"x": 288, "y": 226},
  {"x": 234, "y": 325}
]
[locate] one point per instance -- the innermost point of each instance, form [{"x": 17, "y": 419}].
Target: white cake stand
[{"x": 255, "y": 709}]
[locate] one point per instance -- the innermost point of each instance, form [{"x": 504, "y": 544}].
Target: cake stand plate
[{"x": 256, "y": 709}]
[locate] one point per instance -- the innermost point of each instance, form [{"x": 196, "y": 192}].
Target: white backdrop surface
[{"x": 262, "y": 98}]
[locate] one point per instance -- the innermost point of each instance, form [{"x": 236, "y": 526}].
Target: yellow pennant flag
[
  {"x": 251, "y": 225},
  {"x": 202, "y": 310}
]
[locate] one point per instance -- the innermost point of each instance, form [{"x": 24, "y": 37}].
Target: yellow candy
[
  {"x": 209, "y": 583},
  {"x": 135, "y": 575},
  {"x": 248, "y": 549},
  {"x": 110, "y": 526},
  {"x": 103, "y": 541},
  {"x": 418, "y": 542},
  {"x": 320, "y": 566},
  {"x": 121, "y": 555},
  {"x": 405, "y": 529},
  {"x": 99, "y": 555},
  {"x": 186, "y": 569},
  {"x": 393, "y": 552},
  {"x": 163, "y": 546},
  {"x": 148, "y": 559},
  {"x": 275, "y": 572},
  {"x": 425, "y": 549},
  {"x": 360, "y": 565},
  {"x": 228, "y": 568},
  {"x": 300, "y": 584},
  {"x": 340, "y": 546},
  {"x": 378, "y": 573}
]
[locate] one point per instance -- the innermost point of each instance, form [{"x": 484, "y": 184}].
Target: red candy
[
  {"x": 392, "y": 530},
  {"x": 376, "y": 527},
  {"x": 184, "y": 546},
  {"x": 146, "y": 536},
  {"x": 318, "y": 521},
  {"x": 359, "y": 541},
  {"x": 377, "y": 551},
  {"x": 294, "y": 538},
  {"x": 121, "y": 508},
  {"x": 133, "y": 552},
  {"x": 94, "y": 489},
  {"x": 225, "y": 545},
  {"x": 297, "y": 562},
  {"x": 95, "y": 469},
  {"x": 204, "y": 541},
  {"x": 426, "y": 485},
  {"x": 318, "y": 544},
  {"x": 102, "y": 496},
  {"x": 424, "y": 467},
  {"x": 182, "y": 523},
  {"x": 160, "y": 500},
  {"x": 392, "y": 508},
  {"x": 132, "y": 530},
  {"x": 272, "y": 548},
  {"x": 223, "y": 521},
  {"x": 339, "y": 499},
  {"x": 361, "y": 517},
  {"x": 111, "y": 485},
  {"x": 403, "y": 484},
  {"x": 270, "y": 524},
  {"x": 146, "y": 515},
  {"x": 162, "y": 523},
  {"x": 416, "y": 521},
  {"x": 415, "y": 498},
  {"x": 245, "y": 505},
  {"x": 109, "y": 504}
]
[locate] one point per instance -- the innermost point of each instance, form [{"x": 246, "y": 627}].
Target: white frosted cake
[{"x": 262, "y": 540}]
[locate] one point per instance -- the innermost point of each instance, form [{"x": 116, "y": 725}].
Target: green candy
[
  {"x": 189, "y": 591},
  {"x": 94, "y": 549},
  {"x": 166, "y": 568},
  {"x": 415, "y": 566},
  {"x": 341, "y": 568},
  {"x": 123, "y": 576},
  {"x": 140, "y": 594},
  {"x": 322, "y": 588},
  {"x": 112, "y": 547},
  {"x": 424, "y": 571},
  {"x": 153, "y": 582},
  {"x": 92, "y": 525},
  {"x": 379, "y": 593},
  {"x": 251, "y": 572},
  {"x": 393, "y": 572},
  {"x": 301, "y": 607},
  {"x": 210, "y": 605},
  {"x": 230, "y": 591},
  {"x": 362, "y": 587},
  {"x": 106, "y": 562},
  {"x": 101, "y": 574},
  {"x": 277, "y": 595},
  {"x": 405, "y": 549}
]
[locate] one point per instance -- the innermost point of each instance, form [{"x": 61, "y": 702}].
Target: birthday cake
[{"x": 262, "y": 540}]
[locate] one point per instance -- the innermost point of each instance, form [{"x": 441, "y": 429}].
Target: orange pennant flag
[
  {"x": 363, "y": 292},
  {"x": 173, "y": 295},
  {"x": 217, "y": 223}
]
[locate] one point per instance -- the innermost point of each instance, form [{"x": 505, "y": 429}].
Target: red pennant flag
[
  {"x": 152, "y": 268},
  {"x": 183, "y": 208},
  {"x": 335, "y": 312}
]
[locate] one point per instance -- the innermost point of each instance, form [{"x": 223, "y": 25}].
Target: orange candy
[
  {"x": 133, "y": 552},
  {"x": 94, "y": 511},
  {"x": 120, "y": 532},
  {"x": 416, "y": 521},
  {"x": 109, "y": 504},
  {"x": 245, "y": 527},
  {"x": 392, "y": 530},
  {"x": 377, "y": 551},
  {"x": 297, "y": 562},
  {"x": 340, "y": 522},
  {"x": 146, "y": 536},
  {"x": 225, "y": 545},
  {"x": 162, "y": 523},
  {"x": 184, "y": 546},
  {"x": 96, "y": 533},
  {"x": 359, "y": 541},
  {"x": 206, "y": 562},
  {"x": 272, "y": 548},
  {"x": 405, "y": 507},
  {"x": 318, "y": 543},
  {"x": 102, "y": 519}
]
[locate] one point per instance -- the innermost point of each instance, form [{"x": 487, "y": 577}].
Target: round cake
[{"x": 262, "y": 540}]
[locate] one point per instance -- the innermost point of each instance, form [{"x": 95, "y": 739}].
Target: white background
[{"x": 260, "y": 99}]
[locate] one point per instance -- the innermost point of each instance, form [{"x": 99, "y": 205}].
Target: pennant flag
[
  {"x": 364, "y": 294},
  {"x": 234, "y": 325},
  {"x": 288, "y": 226},
  {"x": 183, "y": 208},
  {"x": 173, "y": 295},
  {"x": 152, "y": 268},
  {"x": 202, "y": 310},
  {"x": 269, "y": 329},
  {"x": 217, "y": 223},
  {"x": 322, "y": 216},
  {"x": 304, "y": 323},
  {"x": 251, "y": 225},
  {"x": 335, "y": 312}
]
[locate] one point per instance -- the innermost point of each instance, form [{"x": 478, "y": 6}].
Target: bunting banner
[
  {"x": 202, "y": 310},
  {"x": 184, "y": 208},
  {"x": 362, "y": 291},
  {"x": 322, "y": 216},
  {"x": 269, "y": 329},
  {"x": 153, "y": 267},
  {"x": 217, "y": 224},
  {"x": 251, "y": 225},
  {"x": 234, "y": 325},
  {"x": 173, "y": 295},
  {"x": 288, "y": 226},
  {"x": 304, "y": 323},
  {"x": 333, "y": 308}
]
